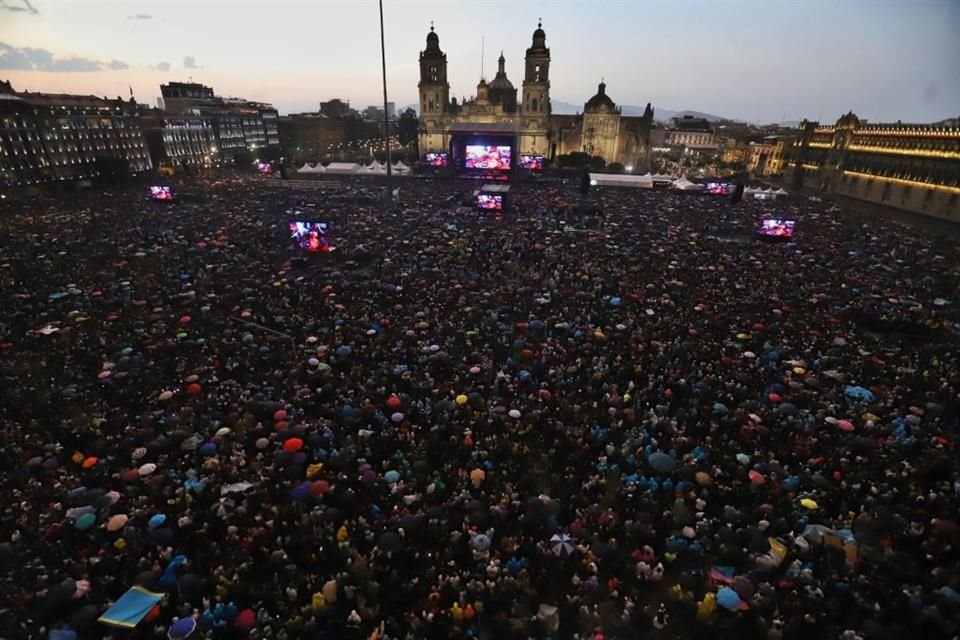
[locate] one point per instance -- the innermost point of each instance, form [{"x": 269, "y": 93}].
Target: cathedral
[{"x": 600, "y": 130}]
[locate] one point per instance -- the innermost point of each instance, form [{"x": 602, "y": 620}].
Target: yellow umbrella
[
  {"x": 461, "y": 399},
  {"x": 809, "y": 504}
]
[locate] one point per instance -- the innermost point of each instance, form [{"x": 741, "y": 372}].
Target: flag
[{"x": 131, "y": 608}]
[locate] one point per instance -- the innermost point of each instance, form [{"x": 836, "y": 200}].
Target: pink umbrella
[
  {"x": 756, "y": 477},
  {"x": 845, "y": 425}
]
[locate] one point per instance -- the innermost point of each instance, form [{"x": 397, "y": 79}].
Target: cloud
[
  {"x": 23, "y": 6},
  {"x": 163, "y": 66},
  {"x": 140, "y": 16},
  {"x": 189, "y": 62},
  {"x": 29, "y": 59}
]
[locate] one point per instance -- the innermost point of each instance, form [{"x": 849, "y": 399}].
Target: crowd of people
[{"x": 634, "y": 422}]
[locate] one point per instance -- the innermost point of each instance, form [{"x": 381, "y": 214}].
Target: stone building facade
[{"x": 601, "y": 129}]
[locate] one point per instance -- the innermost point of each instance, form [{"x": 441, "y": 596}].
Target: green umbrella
[{"x": 85, "y": 521}]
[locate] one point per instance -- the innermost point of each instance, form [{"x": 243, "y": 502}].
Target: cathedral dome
[
  {"x": 501, "y": 82},
  {"x": 600, "y": 101}
]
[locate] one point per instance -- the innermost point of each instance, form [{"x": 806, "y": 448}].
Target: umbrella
[
  {"x": 859, "y": 393},
  {"x": 756, "y": 477},
  {"x": 156, "y": 520},
  {"x": 208, "y": 449},
  {"x": 182, "y": 628},
  {"x": 480, "y": 542},
  {"x": 513, "y": 413},
  {"x": 293, "y": 445},
  {"x": 397, "y": 417},
  {"x": 388, "y": 541},
  {"x": 728, "y": 598},
  {"x": 845, "y": 425},
  {"x": 115, "y": 523},
  {"x": 392, "y": 476},
  {"x": 561, "y": 545},
  {"x": 85, "y": 521},
  {"x": 477, "y": 476},
  {"x": 661, "y": 462},
  {"x": 807, "y": 503},
  {"x": 147, "y": 469}
]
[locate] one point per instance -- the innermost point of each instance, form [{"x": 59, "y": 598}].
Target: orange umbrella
[
  {"x": 477, "y": 476},
  {"x": 89, "y": 462}
]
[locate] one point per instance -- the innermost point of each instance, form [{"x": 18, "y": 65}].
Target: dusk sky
[{"x": 758, "y": 61}]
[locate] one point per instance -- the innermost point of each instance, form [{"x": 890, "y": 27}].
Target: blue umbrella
[
  {"x": 156, "y": 520},
  {"x": 182, "y": 628},
  {"x": 661, "y": 462},
  {"x": 561, "y": 544},
  {"x": 343, "y": 351},
  {"x": 208, "y": 449},
  {"x": 728, "y": 598},
  {"x": 392, "y": 476},
  {"x": 859, "y": 393}
]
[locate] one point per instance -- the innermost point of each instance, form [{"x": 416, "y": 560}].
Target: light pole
[{"x": 386, "y": 116}]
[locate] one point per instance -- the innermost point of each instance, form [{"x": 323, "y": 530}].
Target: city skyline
[{"x": 735, "y": 59}]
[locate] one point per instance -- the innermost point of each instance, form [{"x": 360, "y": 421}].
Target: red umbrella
[
  {"x": 845, "y": 425},
  {"x": 293, "y": 445},
  {"x": 185, "y": 319},
  {"x": 394, "y": 402},
  {"x": 280, "y": 414},
  {"x": 194, "y": 389},
  {"x": 775, "y": 397},
  {"x": 280, "y": 426},
  {"x": 319, "y": 487},
  {"x": 756, "y": 477}
]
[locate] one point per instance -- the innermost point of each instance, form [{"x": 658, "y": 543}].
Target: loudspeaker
[
  {"x": 585, "y": 183},
  {"x": 284, "y": 172},
  {"x": 737, "y": 194}
]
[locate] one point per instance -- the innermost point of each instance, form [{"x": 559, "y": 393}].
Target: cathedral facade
[{"x": 601, "y": 130}]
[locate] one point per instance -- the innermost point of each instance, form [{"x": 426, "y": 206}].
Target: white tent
[
  {"x": 401, "y": 168},
  {"x": 660, "y": 177},
  {"x": 306, "y": 168},
  {"x": 781, "y": 192},
  {"x": 342, "y": 167},
  {"x": 621, "y": 180},
  {"x": 317, "y": 168},
  {"x": 374, "y": 167},
  {"x": 749, "y": 191},
  {"x": 685, "y": 185}
]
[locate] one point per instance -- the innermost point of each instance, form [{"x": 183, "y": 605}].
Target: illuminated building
[
  {"x": 59, "y": 137},
  {"x": 237, "y": 123},
  {"x": 601, "y": 130},
  {"x": 914, "y": 167},
  {"x": 767, "y": 158},
  {"x": 179, "y": 140}
]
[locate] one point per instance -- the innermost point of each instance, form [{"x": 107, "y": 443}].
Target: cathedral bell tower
[
  {"x": 433, "y": 85},
  {"x": 536, "y": 77}
]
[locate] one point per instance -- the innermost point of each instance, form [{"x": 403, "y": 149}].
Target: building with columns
[
  {"x": 601, "y": 130},
  {"x": 914, "y": 167}
]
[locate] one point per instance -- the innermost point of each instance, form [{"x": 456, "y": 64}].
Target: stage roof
[
  {"x": 495, "y": 188},
  {"x": 502, "y": 128}
]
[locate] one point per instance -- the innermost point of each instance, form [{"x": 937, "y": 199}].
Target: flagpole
[{"x": 386, "y": 115}]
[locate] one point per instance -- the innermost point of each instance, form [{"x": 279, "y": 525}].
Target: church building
[{"x": 601, "y": 130}]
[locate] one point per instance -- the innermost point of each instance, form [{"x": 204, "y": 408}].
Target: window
[
  {"x": 533, "y": 105},
  {"x": 536, "y": 73}
]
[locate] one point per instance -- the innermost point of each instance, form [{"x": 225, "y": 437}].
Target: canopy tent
[
  {"x": 621, "y": 180},
  {"x": 781, "y": 192},
  {"x": 401, "y": 168},
  {"x": 343, "y": 167},
  {"x": 661, "y": 177},
  {"x": 375, "y": 168},
  {"x": 306, "y": 168},
  {"x": 685, "y": 185}
]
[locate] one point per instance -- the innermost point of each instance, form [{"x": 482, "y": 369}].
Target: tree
[
  {"x": 112, "y": 169},
  {"x": 596, "y": 162},
  {"x": 243, "y": 158},
  {"x": 407, "y": 126},
  {"x": 615, "y": 167},
  {"x": 576, "y": 159}
]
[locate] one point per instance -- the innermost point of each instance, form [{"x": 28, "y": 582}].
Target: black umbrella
[{"x": 388, "y": 541}]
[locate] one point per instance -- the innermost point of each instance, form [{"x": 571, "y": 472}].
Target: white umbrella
[{"x": 561, "y": 544}]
